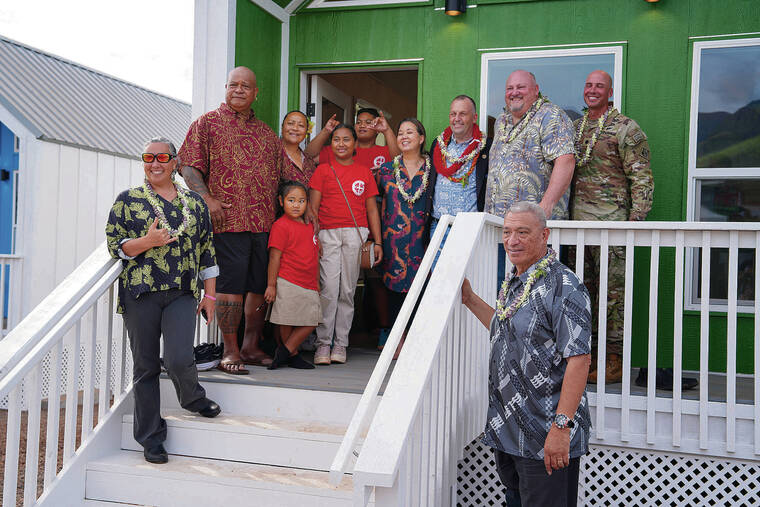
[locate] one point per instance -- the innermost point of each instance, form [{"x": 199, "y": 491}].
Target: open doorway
[{"x": 394, "y": 93}]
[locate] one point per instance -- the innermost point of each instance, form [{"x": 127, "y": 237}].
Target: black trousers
[
  {"x": 527, "y": 483},
  {"x": 171, "y": 313}
]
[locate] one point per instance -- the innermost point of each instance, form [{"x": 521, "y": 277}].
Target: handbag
[{"x": 367, "y": 252}]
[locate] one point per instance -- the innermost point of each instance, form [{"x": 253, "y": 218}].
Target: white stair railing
[
  {"x": 10, "y": 300},
  {"x": 368, "y": 403},
  {"x": 436, "y": 399},
  {"x": 70, "y": 346},
  {"x": 70, "y": 356}
]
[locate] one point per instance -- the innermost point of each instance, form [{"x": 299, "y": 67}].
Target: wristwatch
[{"x": 562, "y": 421}]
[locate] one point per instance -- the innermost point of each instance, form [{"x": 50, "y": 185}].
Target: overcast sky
[{"x": 149, "y": 43}]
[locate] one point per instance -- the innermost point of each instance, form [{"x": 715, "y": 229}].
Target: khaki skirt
[{"x": 295, "y": 306}]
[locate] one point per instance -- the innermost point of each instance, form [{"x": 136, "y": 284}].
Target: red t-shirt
[
  {"x": 299, "y": 263},
  {"x": 358, "y": 184},
  {"x": 368, "y": 157}
]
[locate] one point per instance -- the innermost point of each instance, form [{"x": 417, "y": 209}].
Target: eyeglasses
[
  {"x": 368, "y": 123},
  {"x": 161, "y": 157}
]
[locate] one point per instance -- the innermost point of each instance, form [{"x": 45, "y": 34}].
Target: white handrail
[
  {"x": 28, "y": 332},
  {"x": 436, "y": 399},
  {"x": 432, "y": 349},
  {"x": 11, "y": 272},
  {"x": 369, "y": 398}
]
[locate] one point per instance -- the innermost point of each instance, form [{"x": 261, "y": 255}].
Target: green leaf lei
[
  {"x": 502, "y": 310},
  {"x": 400, "y": 184},
  {"x": 152, "y": 198},
  {"x": 579, "y": 134},
  {"x": 523, "y": 124}
]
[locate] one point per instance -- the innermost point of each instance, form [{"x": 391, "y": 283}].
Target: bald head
[
  {"x": 241, "y": 89},
  {"x": 597, "y": 92},
  {"x": 521, "y": 92}
]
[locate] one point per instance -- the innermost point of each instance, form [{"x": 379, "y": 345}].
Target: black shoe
[
  {"x": 281, "y": 357},
  {"x": 664, "y": 379},
  {"x": 207, "y": 356},
  {"x": 209, "y": 409},
  {"x": 156, "y": 454},
  {"x": 300, "y": 363}
]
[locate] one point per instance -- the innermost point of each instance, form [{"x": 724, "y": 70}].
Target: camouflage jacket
[{"x": 616, "y": 183}]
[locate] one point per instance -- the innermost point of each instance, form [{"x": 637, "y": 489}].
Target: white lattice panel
[{"x": 618, "y": 476}]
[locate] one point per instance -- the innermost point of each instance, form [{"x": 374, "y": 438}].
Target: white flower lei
[
  {"x": 594, "y": 137},
  {"x": 450, "y": 159},
  {"x": 502, "y": 310},
  {"x": 502, "y": 135},
  {"x": 400, "y": 184},
  {"x": 152, "y": 198}
]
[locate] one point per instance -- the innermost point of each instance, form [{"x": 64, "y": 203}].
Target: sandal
[
  {"x": 225, "y": 366},
  {"x": 262, "y": 360}
]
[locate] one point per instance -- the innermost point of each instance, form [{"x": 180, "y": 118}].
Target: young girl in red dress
[
  {"x": 293, "y": 277},
  {"x": 337, "y": 205}
]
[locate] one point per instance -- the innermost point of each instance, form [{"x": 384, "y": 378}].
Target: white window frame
[
  {"x": 325, "y": 4},
  {"x": 695, "y": 175},
  {"x": 612, "y": 48}
]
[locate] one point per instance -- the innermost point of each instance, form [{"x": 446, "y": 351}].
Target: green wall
[
  {"x": 656, "y": 91},
  {"x": 257, "y": 46}
]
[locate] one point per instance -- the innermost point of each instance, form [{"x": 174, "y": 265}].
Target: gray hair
[
  {"x": 161, "y": 139},
  {"x": 529, "y": 207}
]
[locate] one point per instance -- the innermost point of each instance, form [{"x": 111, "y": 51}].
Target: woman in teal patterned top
[{"x": 162, "y": 232}]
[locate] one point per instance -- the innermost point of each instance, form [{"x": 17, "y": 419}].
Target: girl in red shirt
[
  {"x": 339, "y": 189},
  {"x": 292, "y": 281}
]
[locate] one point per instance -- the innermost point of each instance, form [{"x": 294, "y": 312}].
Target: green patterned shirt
[{"x": 178, "y": 265}]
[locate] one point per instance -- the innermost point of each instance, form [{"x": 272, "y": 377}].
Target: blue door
[{"x": 8, "y": 169}]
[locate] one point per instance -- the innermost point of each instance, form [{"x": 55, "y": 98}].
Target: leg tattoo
[{"x": 228, "y": 315}]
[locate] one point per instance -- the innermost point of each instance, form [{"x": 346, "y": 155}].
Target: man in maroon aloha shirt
[{"x": 234, "y": 161}]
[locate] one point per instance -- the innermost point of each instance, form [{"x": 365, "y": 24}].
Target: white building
[{"x": 78, "y": 134}]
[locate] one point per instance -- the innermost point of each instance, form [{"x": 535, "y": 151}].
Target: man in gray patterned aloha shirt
[{"x": 538, "y": 419}]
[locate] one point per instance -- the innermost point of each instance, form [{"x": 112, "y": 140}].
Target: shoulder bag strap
[{"x": 356, "y": 225}]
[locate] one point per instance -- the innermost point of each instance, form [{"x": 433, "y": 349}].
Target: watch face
[{"x": 562, "y": 421}]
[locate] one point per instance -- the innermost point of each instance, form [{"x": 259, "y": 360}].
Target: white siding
[{"x": 68, "y": 195}]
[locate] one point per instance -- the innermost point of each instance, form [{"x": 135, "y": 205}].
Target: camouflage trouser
[
  {"x": 615, "y": 287},
  {"x": 615, "y": 294}
]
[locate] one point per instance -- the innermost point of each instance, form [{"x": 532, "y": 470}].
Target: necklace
[
  {"x": 400, "y": 184},
  {"x": 448, "y": 165},
  {"x": 466, "y": 156},
  {"x": 594, "y": 137},
  {"x": 505, "y": 312},
  {"x": 521, "y": 125},
  {"x": 152, "y": 198}
]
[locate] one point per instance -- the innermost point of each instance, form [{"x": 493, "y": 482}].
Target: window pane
[
  {"x": 728, "y": 124},
  {"x": 745, "y": 289},
  {"x": 734, "y": 200},
  {"x": 560, "y": 78}
]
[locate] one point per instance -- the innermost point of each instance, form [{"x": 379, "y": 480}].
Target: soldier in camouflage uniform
[{"x": 612, "y": 181}]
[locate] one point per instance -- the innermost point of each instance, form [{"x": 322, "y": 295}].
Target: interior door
[{"x": 329, "y": 100}]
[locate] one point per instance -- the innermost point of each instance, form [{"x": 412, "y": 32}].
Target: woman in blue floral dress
[{"x": 405, "y": 186}]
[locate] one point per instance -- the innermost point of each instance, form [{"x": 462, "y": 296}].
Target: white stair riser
[
  {"x": 172, "y": 492},
  {"x": 275, "y": 402},
  {"x": 299, "y": 450}
]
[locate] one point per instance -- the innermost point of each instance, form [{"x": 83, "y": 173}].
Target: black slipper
[
  {"x": 281, "y": 357},
  {"x": 300, "y": 363}
]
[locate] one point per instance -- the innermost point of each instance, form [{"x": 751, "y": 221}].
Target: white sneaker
[
  {"x": 322, "y": 355},
  {"x": 338, "y": 354}
]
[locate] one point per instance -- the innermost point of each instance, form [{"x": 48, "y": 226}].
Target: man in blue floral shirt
[{"x": 538, "y": 418}]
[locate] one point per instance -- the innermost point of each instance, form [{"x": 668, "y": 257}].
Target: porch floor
[
  {"x": 351, "y": 377},
  {"x": 716, "y": 388}
]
